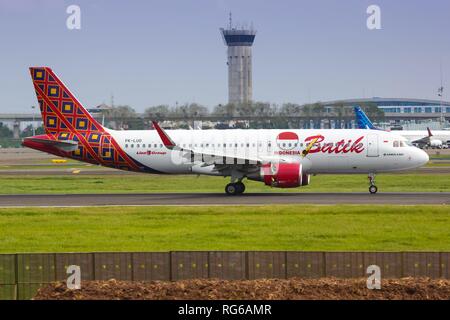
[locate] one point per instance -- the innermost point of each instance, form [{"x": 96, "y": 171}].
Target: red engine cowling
[{"x": 284, "y": 175}]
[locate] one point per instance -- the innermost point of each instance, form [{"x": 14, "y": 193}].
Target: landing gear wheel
[
  {"x": 240, "y": 187},
  {"x": 231, "y": 189},
  {"x": 373, "y": 188}
]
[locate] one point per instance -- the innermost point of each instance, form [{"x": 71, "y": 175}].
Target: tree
[
  {"x": 6, "y": 137},
  {"x": 290, "y": 109},
  {"x": 28, "y": 131},
  {"x": 157, "y": 112},
  {"x": 307, "y": 111},
  {"x": 220, "y": 110},
  {"x": 318, "y": 109},
  {"x": 5, "y": 132},
  {"x": 372, "y": 111},
  {"x": 125, "y": 117},
  {"x": 263, "y": 109},
  {"x": 339, "y": 110},
  {"x": 197, "y": 110},
  {"x": 231, "y": 109}
]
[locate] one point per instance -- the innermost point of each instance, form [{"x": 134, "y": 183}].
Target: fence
[{"x": 22, "y": 274}]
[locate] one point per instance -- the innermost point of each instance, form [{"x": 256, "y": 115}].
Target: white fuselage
[{"x": 336, "y": 150}]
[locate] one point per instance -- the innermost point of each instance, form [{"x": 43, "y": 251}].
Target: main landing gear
[
  {"x": 373, "y": 188},
  {"x": 235, "y": 188}
]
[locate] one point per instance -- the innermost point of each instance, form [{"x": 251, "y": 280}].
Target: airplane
[
  {"x": 438, "y": 139},
  {"x": 279, "y": 158}
]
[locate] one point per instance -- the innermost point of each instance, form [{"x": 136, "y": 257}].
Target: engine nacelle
[{"x": 284, "y": 175}]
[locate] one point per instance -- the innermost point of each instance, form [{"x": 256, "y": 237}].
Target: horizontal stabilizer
[{"x": 63, "y": 145}]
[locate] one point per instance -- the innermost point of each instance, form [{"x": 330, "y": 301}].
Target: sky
[{"x": 148, "y": 52}]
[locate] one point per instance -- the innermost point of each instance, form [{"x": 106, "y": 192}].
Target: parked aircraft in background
[
  {"x": 436, "y": 139},
  {"x": 363, "y": 120},
  {"x": 278, "y": 158}
]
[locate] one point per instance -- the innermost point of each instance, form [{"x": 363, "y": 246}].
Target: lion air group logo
[{"x": 287, "y": 140}]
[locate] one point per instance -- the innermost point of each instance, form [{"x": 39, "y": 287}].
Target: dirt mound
[{"x": 206, "y": 289}]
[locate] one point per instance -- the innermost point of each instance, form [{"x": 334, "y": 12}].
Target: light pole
[
  {"x": 440, "y": 94},
  {"x": 32, "y": 124}
]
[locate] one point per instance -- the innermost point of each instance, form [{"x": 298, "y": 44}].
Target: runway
[{"x": 182, "y": 199}]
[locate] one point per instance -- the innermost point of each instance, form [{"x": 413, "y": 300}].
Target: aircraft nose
[{"x": 422, "y": 157}]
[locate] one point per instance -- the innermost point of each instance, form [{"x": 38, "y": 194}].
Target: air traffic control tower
[{"x": 239, "y": 43}]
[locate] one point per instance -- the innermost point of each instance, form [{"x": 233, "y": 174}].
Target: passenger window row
[
  {"x": 201, "y": 145},
  {"x": 219, "y": 145},
  {"x": 142, "y": 145}
]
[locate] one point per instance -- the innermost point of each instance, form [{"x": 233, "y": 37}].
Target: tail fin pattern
[
  {"x": 65, "y": 118},
  {"x": 61, "y": 111}
]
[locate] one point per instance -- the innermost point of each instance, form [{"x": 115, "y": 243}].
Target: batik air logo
[{"x": 289, "y": 142}]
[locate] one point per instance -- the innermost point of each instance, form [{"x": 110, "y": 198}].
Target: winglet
[
  {"x": 429, "y": 132},
  {"x": 168, "y": 143}
]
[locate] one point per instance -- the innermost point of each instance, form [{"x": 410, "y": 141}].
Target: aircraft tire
[
  {"x": 240, "y": 187},
  {"x": 373, "y": 189},
  {"x": 231, "y": 189}
]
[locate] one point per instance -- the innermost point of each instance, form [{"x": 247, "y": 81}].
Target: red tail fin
[{"x": 61, "y": 111}]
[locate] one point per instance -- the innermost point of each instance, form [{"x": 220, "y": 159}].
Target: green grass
[
  {"x": 281, "y": 227},
  {"x": 445, "y": 156},
  {"x": 142, "y": 183},
  {"x": 437, "y": 164}
]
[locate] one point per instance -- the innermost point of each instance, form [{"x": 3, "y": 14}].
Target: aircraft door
[
  {"x": 372, "y": 145},
  {"x": 269, "y": 147},
  {"x": 261, "y": 149}
]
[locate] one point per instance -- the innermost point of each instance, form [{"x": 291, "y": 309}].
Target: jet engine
[{"x": 283, "y": 175}]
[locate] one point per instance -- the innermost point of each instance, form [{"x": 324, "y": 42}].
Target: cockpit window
[{"x": 401, "y": 144}]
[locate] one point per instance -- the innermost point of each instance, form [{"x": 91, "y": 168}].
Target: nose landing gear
[
  {"x": 235, "y": 188},
  {"x": 373, "y": 188}
]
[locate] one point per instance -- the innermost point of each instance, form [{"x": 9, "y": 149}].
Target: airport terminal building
[
  {"x": 413, "y": 107},
  {"x": 411, "y": 113}
]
